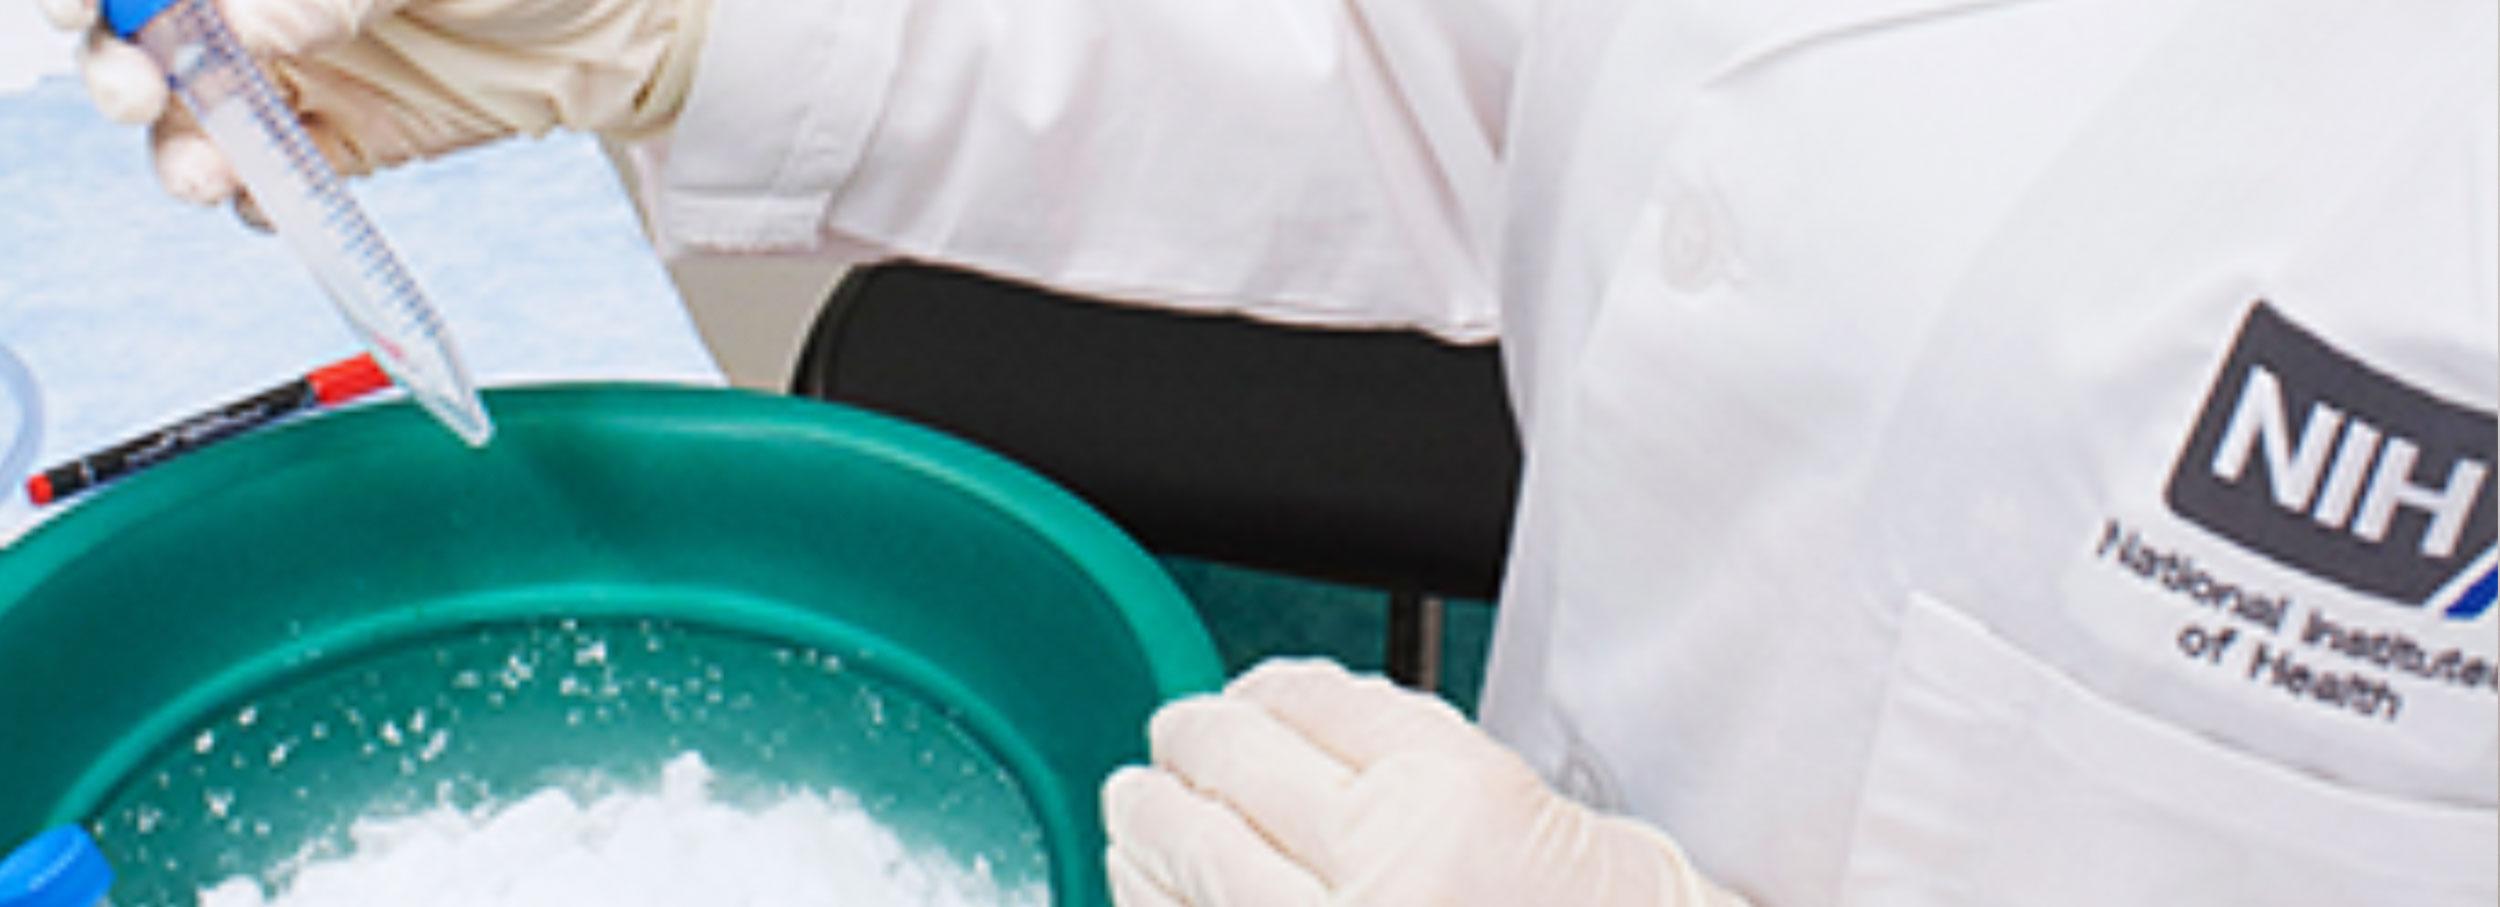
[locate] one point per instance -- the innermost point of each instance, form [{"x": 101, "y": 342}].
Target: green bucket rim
[{"x": 1178, "y": 653}]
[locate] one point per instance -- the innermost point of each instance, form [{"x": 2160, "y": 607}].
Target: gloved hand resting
[
  {"x": 1302, "y": 785},
  {"x": 382, "y": 82}
]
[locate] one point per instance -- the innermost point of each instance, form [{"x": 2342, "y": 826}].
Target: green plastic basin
[{"x": 218, "y": 664}]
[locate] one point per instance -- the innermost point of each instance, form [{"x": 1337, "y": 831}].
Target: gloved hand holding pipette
[
  {"x": 382, "y": 82},
  {"x": 236, "y": 130}
]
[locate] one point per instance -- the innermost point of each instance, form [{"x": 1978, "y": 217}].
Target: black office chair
[{"x": 1375, "y": 458}]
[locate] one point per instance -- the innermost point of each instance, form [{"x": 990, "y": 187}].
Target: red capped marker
[{"x": 329, "y": 385}]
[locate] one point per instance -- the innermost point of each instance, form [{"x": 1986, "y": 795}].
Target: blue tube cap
[
  {"x": 125, "y": 17},
  {"x": 59, "y": 868}
]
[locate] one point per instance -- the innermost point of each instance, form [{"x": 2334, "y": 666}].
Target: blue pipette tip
[{"x": 59, "y": 868}]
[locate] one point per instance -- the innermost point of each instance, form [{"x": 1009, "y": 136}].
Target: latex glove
[
  {"x": 1303, "y": 785},
  {"x": 382, "y": 82}
]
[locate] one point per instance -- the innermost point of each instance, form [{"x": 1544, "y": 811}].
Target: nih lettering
[{"x": 2317, "y": 460}]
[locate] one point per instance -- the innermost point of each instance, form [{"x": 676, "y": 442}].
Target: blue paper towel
[{"x": 132, "y": 309}]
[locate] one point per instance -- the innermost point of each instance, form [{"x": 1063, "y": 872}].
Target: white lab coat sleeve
[{"x": 1324, "y": 162}]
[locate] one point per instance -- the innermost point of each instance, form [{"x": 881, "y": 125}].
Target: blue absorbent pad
[{"x": 132, "y": 309}]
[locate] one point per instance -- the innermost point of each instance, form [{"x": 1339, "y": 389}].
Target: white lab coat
[{"x": 1971, "y": 443}]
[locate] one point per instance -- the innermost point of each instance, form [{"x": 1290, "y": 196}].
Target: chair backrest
[{"x": 1377, "y": 458}]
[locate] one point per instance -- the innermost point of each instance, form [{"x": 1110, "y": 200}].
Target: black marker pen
[{"x": 329, "y": 385}]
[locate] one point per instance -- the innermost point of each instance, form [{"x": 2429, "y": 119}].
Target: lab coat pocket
[{"x": 1998, "y": 780}]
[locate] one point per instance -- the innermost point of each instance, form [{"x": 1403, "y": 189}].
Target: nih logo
[{"x": 2319, "y": 461}]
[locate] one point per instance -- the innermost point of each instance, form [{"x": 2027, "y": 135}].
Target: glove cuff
[{"x": 1679, "y": 883}]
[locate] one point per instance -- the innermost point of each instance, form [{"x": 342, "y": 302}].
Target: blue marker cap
[
  {"x": 59, "y": 868},
  {"x": 126, "y": 16}
]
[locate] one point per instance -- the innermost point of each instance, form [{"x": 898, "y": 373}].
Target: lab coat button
[
  {"x": 1584, "y": 779},
  {"x": 1689, "y": 244}
]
